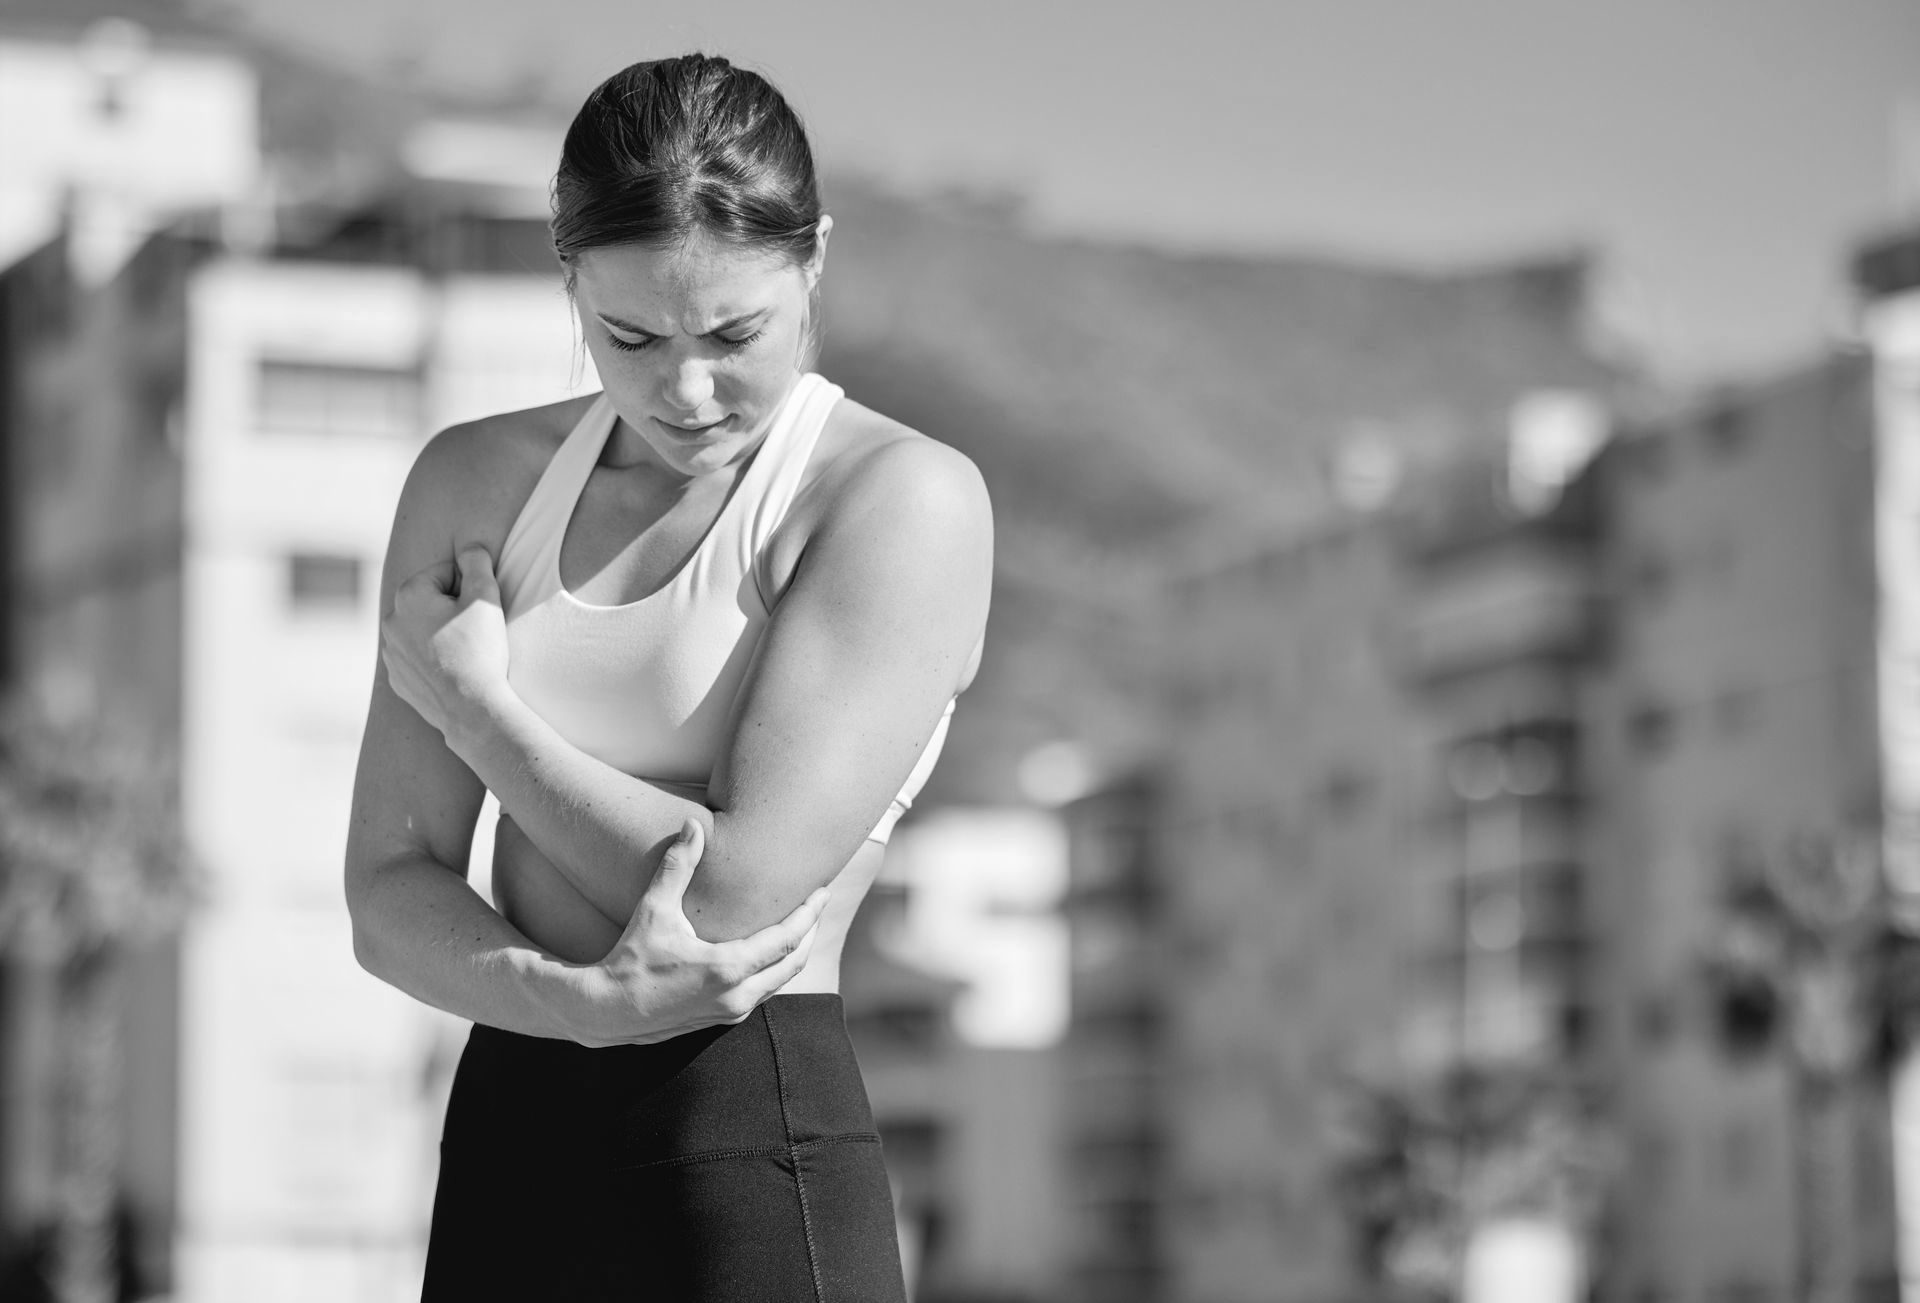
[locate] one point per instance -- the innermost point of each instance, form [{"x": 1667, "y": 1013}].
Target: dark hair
[{"x": 670, "y": 148}]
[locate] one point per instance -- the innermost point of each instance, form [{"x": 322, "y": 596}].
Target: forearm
[
  {"x": 604, "y": 830},
  {"x": 419, "y": 927}
]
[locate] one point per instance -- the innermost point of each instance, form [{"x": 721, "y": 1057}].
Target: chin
[{"x": 703, "y": 461}]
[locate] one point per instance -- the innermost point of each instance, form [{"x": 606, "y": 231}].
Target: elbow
[
  {"x": 365, "y": 946},
  {"x": 735, "y": 890},
  {"x": 718, "y": 901},
  {"x": 365, "y": 951},
  {"x": 360, "y": 881}
]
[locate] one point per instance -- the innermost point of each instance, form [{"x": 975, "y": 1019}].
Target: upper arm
[
  {"x": 411, "y": 795},
  {"x": 864, "y": 649}
]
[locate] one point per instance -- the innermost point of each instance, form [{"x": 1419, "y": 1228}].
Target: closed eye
[{"x": 645, "y": 341}]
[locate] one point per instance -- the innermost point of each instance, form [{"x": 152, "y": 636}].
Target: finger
[
  {"x": 669, "y": 885},
  {"x": 777, "y": 975},
  {"x": 807, "y": 912},
  {"x": 772, "y": 945},
  {"x": 436, "y": 578},
  {"x": 476, "y": 573}
]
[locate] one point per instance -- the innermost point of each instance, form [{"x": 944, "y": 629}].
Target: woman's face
[{"x": 697, "y": 345}]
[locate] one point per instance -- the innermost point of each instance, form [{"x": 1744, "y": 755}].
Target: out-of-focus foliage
[
  {"x": 92, "y": 866},
  {"x": 1420, "y": 1163},
  {"x": 90, "y": 847},
  {"x": 1804, "y": 971},
  {"x": 1798, "y": 962},
  {"x": 1890, "y": 994}
]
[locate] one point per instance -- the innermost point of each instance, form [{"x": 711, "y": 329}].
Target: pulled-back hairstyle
[{"x": 671, "y": 148}]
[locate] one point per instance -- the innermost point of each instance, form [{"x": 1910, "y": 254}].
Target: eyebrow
[{"x": 729, "y": 324}]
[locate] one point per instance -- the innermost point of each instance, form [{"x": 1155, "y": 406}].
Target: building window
[
  {"x": 1650, "y": 728},
  {"x": 1576, "y": 1029},
  {"x": 1654, "y": 1019},
  {"x": 1651, "y": 578},
  {"x": 1739, "y": 1154},
  {"x": 320, "y": 582},
  {"x": 1653, "y": 1162},
  {"x": 1347, "y": 791},
  {"x": 322, "y": 398}
]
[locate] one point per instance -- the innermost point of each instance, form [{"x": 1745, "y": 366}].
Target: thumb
[
  {"x": 476, "y": 573},
  {"x": 670, "y": 880}
]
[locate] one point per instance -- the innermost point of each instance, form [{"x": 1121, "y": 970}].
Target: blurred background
[{"x": 1440, "y": 815}]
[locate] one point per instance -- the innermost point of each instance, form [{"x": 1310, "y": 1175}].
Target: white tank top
[{"x": 648, "y": 686}]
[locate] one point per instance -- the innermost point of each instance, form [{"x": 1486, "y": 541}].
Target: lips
[{"x": 679, "y": 431}]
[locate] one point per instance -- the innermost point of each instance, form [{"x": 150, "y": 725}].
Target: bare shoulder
[
  {"x": 870, "y": 461},
  {"x": 470, "y": 480}
]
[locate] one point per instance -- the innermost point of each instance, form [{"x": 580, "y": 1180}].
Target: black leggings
[{"x": 735, "y": 1163}]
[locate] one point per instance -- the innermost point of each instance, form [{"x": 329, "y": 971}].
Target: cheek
[{"x": 762, "y": 374}]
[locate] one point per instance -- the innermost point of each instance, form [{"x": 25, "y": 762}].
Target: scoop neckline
[{"x": 612, "y": 418}]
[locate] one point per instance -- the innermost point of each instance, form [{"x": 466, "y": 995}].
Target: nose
[{"x": 688, "y": 386}]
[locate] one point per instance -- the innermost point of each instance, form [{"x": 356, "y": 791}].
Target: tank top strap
[
  {"x": 530, "y": 556},
  {"x": 781, "y": 462}
]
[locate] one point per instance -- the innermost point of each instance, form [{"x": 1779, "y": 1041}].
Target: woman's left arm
[{"x": 865, "y": 647}]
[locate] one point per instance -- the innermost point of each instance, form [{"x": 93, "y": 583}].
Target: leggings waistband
[{"x": 785, "y": 1076}]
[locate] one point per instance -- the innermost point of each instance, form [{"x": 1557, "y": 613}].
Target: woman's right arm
[{"x": 419, "y": 926}]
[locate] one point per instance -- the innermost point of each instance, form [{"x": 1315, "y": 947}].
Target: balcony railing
[{"x": 1511, "y": 610}]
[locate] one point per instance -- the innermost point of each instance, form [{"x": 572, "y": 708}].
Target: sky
[{"x": 1720, "y": 158}]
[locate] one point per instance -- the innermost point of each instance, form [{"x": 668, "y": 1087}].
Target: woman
[{"x": 731, "y": 613}]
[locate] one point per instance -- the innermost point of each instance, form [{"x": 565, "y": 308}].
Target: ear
[{"x": 819, "y": 259}]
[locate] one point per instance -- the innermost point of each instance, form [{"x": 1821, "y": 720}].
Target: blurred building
[
  {"x": 946, "y": 976},
  {"x": 204, "y": 474},
  {"x": 1362, "y": 858},
  {"x": 1735, "y": 732},
  {"x": 1117, "y": 1069},
  {"x": 1887, "y": 274},
  {"x": 1497, "y": 627},
  {"x": 211, "y": 399},
  {"x": 1469, "y": 779}
]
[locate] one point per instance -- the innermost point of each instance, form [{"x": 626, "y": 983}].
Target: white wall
[{"x": 134, "y": 131}]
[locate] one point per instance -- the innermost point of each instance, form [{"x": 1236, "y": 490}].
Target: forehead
[{"x": 699, "y": 280}]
